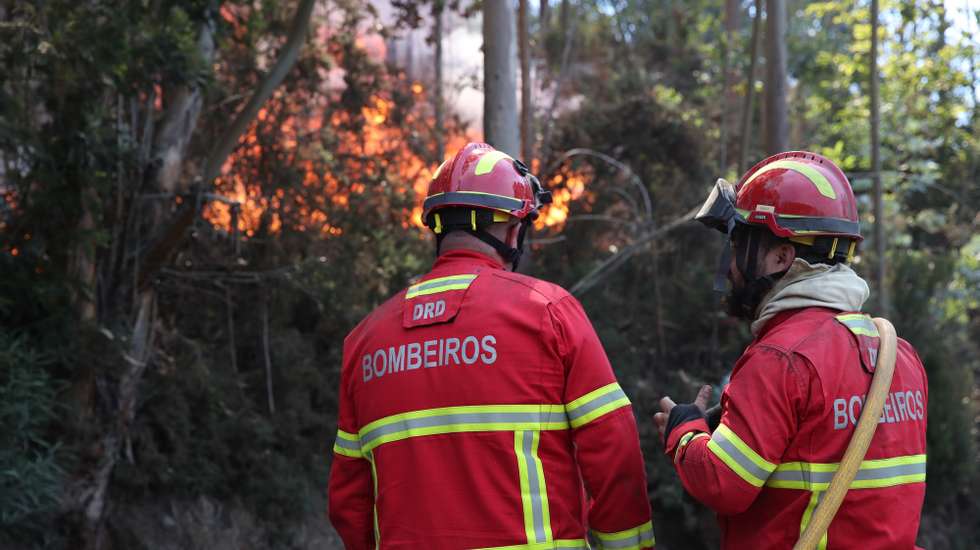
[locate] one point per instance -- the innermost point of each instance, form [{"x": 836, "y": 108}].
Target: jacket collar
[
  {"x": 784, "y": 315},
  {"x": 463, "y": 256}
]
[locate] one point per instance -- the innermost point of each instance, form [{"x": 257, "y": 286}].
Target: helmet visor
[{"x": 718, "y": 211}]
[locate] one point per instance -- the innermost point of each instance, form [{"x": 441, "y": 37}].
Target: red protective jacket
[
  {"x": 477, "y": 408},
  {"x": 787, "y": 417}
]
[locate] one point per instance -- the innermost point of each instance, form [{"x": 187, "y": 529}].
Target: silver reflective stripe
[
  {"x": 347, "y": 444},
  {"x": 456, "y": 279},
  {"x": 461, "y": 418},
  {"x": 534, "y": 485},
  {"x": 864, "y": 474},
  {"x": 634, "y": 538},
  {"x": 586, "y": 408},
  {"x": 646, "y": 535},
  {"x": 738, "y": 456}
]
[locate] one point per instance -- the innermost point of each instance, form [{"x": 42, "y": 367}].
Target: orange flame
[{"x": 565, "y": 188}]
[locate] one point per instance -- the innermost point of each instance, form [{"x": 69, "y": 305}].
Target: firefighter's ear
[{"x": 778, "y": 258}]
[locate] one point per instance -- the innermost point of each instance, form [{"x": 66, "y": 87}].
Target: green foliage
[
  {"x": 32, "y": 474},
  {"x": 327, "y": 235}
]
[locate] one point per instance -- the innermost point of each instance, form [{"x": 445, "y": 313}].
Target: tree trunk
[
  {"x": 731, "y": 25},
  {"x": 879, "y": 208},
  {"x": 168, "y": 152},
  {"x": 437, "y": 101},
  {"x": 287, "y": 57},
  {"x": 544, "y": 16},
  {"x": 777, "y": 125},
  {"x": 747, "y": 107},
  {"x": 500, "y": 127},
  {"x": 527, "y": 113}
]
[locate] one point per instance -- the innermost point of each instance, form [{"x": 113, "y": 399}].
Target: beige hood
[{"x": 805, "y": 285}]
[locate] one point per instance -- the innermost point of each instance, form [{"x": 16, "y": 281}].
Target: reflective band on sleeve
[
  {"x": 347, "y": 445},
  {"x": 808, "y": 513},
  {"x": 859, "y": 324},
  {"x": 596, "y": 403},
  {"x": 630, "y": 539},
  {"x": 442, "y": 284},
  {"x": 534, "y": 494},
  {"x": 872, "y": 474},
  {"x": 819, "y": 180},
  {"x": 578, "y": 544},
  {"x": 488, "y": 161},
  {"x": 684, "y": 440},
  {"x": 738, "y": 456},
  {"x": 480, "y": 418}
]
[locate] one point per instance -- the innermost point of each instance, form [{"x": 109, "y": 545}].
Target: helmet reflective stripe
[
  {"x": 439, "y": 170},
  {"x": 488, "y": 161},
  {"x": 811, "y": 173},
  {"x": 473, "y": 198}
]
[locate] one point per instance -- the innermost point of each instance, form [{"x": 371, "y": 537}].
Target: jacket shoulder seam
[{"x": 557, "y": 295}]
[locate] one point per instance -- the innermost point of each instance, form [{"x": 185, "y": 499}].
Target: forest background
[{"x": 200, "y": 198}]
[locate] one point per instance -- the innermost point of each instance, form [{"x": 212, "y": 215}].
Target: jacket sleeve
[
  {"x": 604, "y": 432},
  {"x": 351, "y": 485},
  {"x": 760, "y": 407}
]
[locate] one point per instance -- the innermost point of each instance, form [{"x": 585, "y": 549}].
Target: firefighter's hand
[{"x": 667, "y": 404}]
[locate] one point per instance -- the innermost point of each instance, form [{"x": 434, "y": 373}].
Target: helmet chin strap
[
  {"x": 508, "y": 253},
  {"x": 475, "y": 222}
]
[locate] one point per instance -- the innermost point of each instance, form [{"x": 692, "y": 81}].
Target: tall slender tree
[
  {"x": 777, "y": 124},
  {"x": 879, "y": 208},
  {"x": 438, "y": 6},
  {"x": 747, "y": 106},
  {"x": 527, "y": 113},
  {"x": 500, "y": 127}
]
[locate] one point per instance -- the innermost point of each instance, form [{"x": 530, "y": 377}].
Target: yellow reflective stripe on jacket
[
  {"x": 578, "y": 544},
  {"x": 872, "y": 474},
  {"x": 859, "y": 324},
  {"x": 477, "y": 418},
  {"x": 596, "y": 403},
  {"x": 685, "y": 440},
  {"x": 534, "y": 493},
  {"x": 440, "y": 284},
  {"x": 629, "y": 539},
  {"x": 738, "y": 456},
  {"x": 808, "y": 513},
  {"x": 374, "y": 479},
  {"x": 347, "y": 444}
]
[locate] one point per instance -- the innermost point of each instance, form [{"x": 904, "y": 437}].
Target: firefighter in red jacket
[
  {"x": 477, "y": 406},
  {"x": 796, "y": 393}
]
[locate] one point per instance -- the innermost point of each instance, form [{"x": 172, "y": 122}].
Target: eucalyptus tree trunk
[
  {"x": 731, "y": 25},
  {"x": 168, "y": 154},
  {"x": 879, "y": 209},
  {"x": 777, "y": 125},
  {"x": 500, "y": 127},
  {"x": 438, "y": 6},
  {"x": 747, "y": 107},
  {"x": 527, "y": 113}
]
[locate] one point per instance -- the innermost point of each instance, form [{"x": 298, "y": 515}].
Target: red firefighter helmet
[
  {"x": 481, "y": 177},
  {"x": 481, "y": 186},
  {"x": 798, "y": 194}
]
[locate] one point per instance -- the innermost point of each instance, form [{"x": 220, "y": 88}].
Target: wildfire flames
[{"x": 375, "y": 143}]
